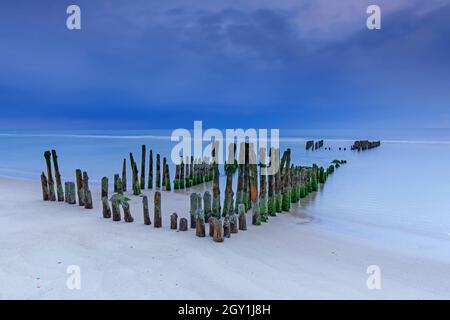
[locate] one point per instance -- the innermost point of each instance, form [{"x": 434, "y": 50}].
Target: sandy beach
[{"x": 291, "y": 257}]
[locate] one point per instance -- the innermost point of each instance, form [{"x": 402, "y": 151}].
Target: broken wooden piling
[
  {"x": 51, "y": 186},
  {"x": 174, "y": 221},
  {"x": 146, "y": 212},
  {"x": 59, "y": 188},
  {"x": 44, "y": 185},
  {"x": 157, "y": 213}
]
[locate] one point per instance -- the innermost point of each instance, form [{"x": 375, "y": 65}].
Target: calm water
[{"x": 404, "y": 185}]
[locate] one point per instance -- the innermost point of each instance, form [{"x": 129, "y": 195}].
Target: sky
[{"x": 147, "y": 64}]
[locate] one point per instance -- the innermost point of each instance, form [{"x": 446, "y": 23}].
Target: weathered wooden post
[
  {"x": 144, "y": 153},
  {"x": 246, "y": 194},
  {"x": 233, "y": 223},
  {"x": 126, "y": 212},
  {"x": 150, "y": 170},
  {"x": 105, "y": 187},
  {"x": 87, "y": 192},
  {"x": 135, "y": 181},
  {"x": 174, "y": 221},
  {"x": 229, "y": 169},
  {"x": 193, "y": 209},
  {"x": 211, "y": 226},
  {"x": 115, "y": 204},
  {"x": 226, "y": 227},
  {"x": 119, "y": 186},
  {"x": 66, "y": 191},
  {"x": 44, "y": 185},
  {"x": 207, "y": 205},
  {"x": 200, "y": 224},
  {"x": 157, "y": 218},
  {"x": 71, "y": 193},
  {"x": 116, "y": 179},
  {"x": 183, "y": 224},
  {"x": 168, "y": 187},
  {"x": 176, "y": 181},
  {"x": 79, "y": 181},
  {"x": 182, "y": 174},
  {"x": 158, "y": 171},
  {"x": 216, "y": 192},
  {"x": 147, "y": 220},
  {"x": 51, "y": 186},
  {"x": 242, "y": 217},
  {"x": 59, "y": 188},
  {"x": 124, "y": 175},
  {"x": 271, "y": 210},
  {"x": 218, "y": 230},
  {"x": 106, "y": 209},
  {"x": 263, "y": 185},
  {"x": 187, "y": 179},
  {"x": 164, "y": 173}
]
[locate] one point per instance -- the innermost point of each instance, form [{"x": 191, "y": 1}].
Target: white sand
[{"x": 288, "y": 258}]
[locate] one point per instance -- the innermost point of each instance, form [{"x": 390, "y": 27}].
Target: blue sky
[{"x": 283, "y": 64}]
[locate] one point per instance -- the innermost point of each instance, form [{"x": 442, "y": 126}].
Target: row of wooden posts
[
  {"x": 191, "y": 173},
  {"x": 275, "y": 195},
  {"x": 68, "y": 193}
]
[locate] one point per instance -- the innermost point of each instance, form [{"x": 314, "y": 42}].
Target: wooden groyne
[{"x": 362, "y": 145}]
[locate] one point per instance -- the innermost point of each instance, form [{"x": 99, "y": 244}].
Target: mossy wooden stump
[
  {"x": 44, "y": 185},
  {"x": 115, "y": 204},
  {"x": 51, "y": 186},
  {"x": 200, "y": 224},
  {"x": 126, "y": 212},
  {"x": 59, "y": 188},
  {"x": 242, "y": 217}
]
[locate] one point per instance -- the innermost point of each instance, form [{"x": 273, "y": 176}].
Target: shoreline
[{"x": 286, "y": 258}]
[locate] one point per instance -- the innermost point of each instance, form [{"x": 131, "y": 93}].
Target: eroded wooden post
[
  {"x": 124, "y": 175},
  {"x": 44, "y": 185},
  {"x": 193, "y": 209},
  {"x": 87, "y": 192},
  {"x": 157, "y": 218},
  {"x": 207, "y": 206},
  {"x": 242, "y": 217},
  {"x": 71, "y": 193},
  {"x": 174, "y": 221},
  {"x": 150, "y": 170},
  {"x": 200, "y": 224},
  {"x": 147, "y": 220},
  {"x": 116, "y": 179},
  {"x": 59, "y": 188},
  {"x": 144, "y": 154},
  {"x": 51, "y": 186},
  {"x": 126, "y": 212},
  {"x": 79, "y": 180},
  {"x": 106, "y": 209},
  {"x": 183, "y": 224},
  {"x": 226, "y": 227},
  {"x": 105, "y": 187},
  {"x": 262, "y": 185},
  {"x": 218, "y": 230},
  {"x": 158, "y": 171},
  {"x": 115, "y": 204}
]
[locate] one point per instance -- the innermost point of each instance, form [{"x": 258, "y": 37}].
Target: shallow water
[{"x": 403, "y": 185}]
